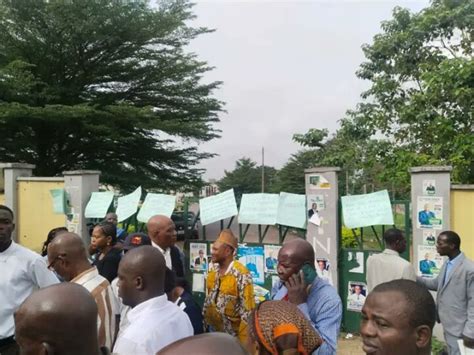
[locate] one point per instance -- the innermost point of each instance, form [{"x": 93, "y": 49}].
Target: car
[{"x": 179, "y": 220}]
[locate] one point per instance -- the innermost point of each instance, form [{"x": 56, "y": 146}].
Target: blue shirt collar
[{"x": 455, "y": 260}]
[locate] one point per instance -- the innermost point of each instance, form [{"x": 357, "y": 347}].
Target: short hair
[
  {"x": 6, "y": 208},
  {"x": 392, "y": 235},
  {"x": 452, "y": 238},
  {"x": 421, "y": 308},
  {"x": 109, "y": 229}
]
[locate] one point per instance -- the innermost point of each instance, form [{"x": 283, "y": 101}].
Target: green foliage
[
  {"x": 348, "y": 239},
  {"x": 247, "y": 178},
  {"x": 437, "y": 346},
  {"x": 106, "y": 85}
]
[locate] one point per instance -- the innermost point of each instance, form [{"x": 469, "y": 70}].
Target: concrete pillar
[
  {"x": 322, "y": 188},
  {"x": 79, "y": 185},
  {"x": 11, "y": 171},
  {"x": 431, "y": 205}
]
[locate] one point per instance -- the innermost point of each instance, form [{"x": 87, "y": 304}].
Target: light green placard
[
  {"x": 98, "y": 204},
  {"x": 259, "y": 209},
  {"x": 367, "y": 210},
  {"x": 218, "y": 207},
  {"x": 59, "y": 201},
  {"x": 292, "y": 210},
  {"x": 156, "y": 204},
  {"x": 127, "y": 205}
]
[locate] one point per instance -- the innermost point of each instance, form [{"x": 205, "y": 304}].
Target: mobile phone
[{"x": 309, "y": 273}]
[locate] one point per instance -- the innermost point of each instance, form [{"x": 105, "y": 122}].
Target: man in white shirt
[
  {"x": 162, "y": 232},
  {"x": 21, "y": 272},
  {"x": 154, "y": 322},
  {"x": 68, "y": 256},
  {"x": 388, "y": 265}
]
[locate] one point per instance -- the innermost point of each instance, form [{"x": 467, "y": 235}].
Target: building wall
[
  {"x": 35, "y": 211},
  {"x": 462, "y": 216},
  {"x": 2, "y": 199}
]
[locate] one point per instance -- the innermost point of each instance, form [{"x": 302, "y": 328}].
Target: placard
[
  {"x": 127, "y": 205},
  {"x": 259, "y": 209},
  {"x": 367, "y": 210},
  {"x": 292, "y": 210},
  {"x": 217, "y": 207},
  {"x": 98, "y": 204},
  {"x": 156, "y": 204}
]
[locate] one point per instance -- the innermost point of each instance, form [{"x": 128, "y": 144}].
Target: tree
[
  {"x": 106, "y": 85},
  {"x": 247, "y": 178},
  {"x": 421, "y": 99}
]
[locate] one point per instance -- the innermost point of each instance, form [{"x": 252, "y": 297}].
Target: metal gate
[{"x": 353, "y": 262}]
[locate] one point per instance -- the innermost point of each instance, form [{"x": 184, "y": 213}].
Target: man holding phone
[{"x": 315, "y": 298}]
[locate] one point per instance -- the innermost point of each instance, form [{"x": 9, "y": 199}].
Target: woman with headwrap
[{"x": 279, "y": 328}]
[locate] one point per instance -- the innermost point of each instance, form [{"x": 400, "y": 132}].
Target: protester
[
  {"x": 398, "y": 318},
  {"x": 154, "y": 322},
  {"x": 455, "y": 297},
  {"x": 205, "y": 344},
  {"x": 68, "y": 257},
  {"x": 388, "y": 265},
  {"x": 278, "y": 327},
  {"x": 111, "y": 217},
  {"x": 162, "y": 232},
  {"x": 108, "y": 256},
  {"x": 60, "y": 320},
  {"x": 51, "y": 235},
  {"x": 132, "y": 241},
  {"x": 179, "y": 293},
  {"x": 315, "y": 298},
  {"x": 230, "y": 295},
  {"x": 22, "y": 272}
]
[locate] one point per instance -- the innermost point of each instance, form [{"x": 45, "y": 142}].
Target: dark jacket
[{"x": 176, "y": 261}]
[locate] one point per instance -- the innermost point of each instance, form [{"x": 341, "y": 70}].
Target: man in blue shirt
[{"x": 315, "y": 298}]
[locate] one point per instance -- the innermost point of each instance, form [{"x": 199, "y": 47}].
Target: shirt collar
[
  {"x": 159, "y": 248},
  {"x": 139, "y": 309},
  {"x": 228, "y": 269},
  {"x": 391, "y": 252},
  {"x": 455, "y": 260}
]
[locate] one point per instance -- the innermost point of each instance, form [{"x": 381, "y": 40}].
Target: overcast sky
[{"x": 286, "y": 67}]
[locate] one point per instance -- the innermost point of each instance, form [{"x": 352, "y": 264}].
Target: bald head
[
  {"x": 209, "y": 344},
  {"x": 162, "y": 231},
  {"x": 141, "y": 275},
  {"x": 299, "y": 249},
  {"x": 61, "y": 319},
  {"x": 67, "y": 255}
]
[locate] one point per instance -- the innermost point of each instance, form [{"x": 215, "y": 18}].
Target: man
[
  {"x": 398, "y": 318},
  {"x": 209, "y": 344},
  {"x": 21, "y": 272},
  {"x": 200, "y": 262},
  {"x": 312, "y": 210},
  {"x": 154, "y": 322},
  {"x": 357, "y": 296},
  {"x": 60, "y": 319},
  {"x": 425, "y": 216},
  {"x": 455, "y": 297},
  {"x": 112, "y": 217},
  {"x": 162, "y": 232},
  {"x": 318, "y": 300},
  {"x": 427, "y": 265},
  {"x": 388, "y": 265},
  {"x": 230, "y": 297},
  {"x": 68, "y": 257}
]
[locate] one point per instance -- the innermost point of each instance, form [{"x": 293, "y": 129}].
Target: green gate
[{"x": 353, "y": 262}]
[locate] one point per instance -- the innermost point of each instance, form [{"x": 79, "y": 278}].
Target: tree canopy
[{"x": 106, "y": 85}]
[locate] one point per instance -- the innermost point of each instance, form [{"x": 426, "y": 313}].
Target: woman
[
  {"x": 278, "y": 327},
  {"x": 104, "y": 237},
  {"x": 51, "y": 235}
]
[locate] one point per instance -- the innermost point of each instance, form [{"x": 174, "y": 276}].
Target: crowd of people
[{"x": 127, "y": 294}]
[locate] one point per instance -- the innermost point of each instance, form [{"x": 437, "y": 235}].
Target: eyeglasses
[{"x": 59, "y": 257}]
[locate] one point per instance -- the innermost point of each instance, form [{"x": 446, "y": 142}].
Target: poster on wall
[
  {"x": 357, "y": 292},
  {"x": 252, "y": 258},
  {"x": 430, "y": 212},
  {"x": 315, "y": 203},
  {"x": 271, "y": 255},
  {"x": 429, "y": 261},
  {"x": 198, "y": 256},
  {"x": 355, "y": 262},
  {"x": 323, "y": 269},
  {"x": 429, "y": 237},
  {"x": 429, "y": 187},
  {"x": 199, "y": 282},
  {"x": 318, "y": 182}
]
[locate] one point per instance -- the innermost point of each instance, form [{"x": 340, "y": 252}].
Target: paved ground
[{"x": 351, "y": 346}]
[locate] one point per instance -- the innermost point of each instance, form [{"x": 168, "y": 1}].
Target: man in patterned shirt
[{"x": 230, "y": 297}]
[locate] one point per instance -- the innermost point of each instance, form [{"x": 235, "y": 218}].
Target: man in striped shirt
[{"x": 68, "y": 257}]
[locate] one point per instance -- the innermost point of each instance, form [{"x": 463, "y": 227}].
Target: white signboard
[
  {"x": 367, "y": 210},
  {"x": 259, "y": 209},
  {"x": 127, "y": 205},
  {"x": 156, "y": 204},
  {"x": 217, "y": 207},
  {"x": 99, "y": 204}
]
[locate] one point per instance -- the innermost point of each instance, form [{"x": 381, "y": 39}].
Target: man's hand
[
  {"x": 468, "y": 342},
  {"x": 296, "y": 286}
]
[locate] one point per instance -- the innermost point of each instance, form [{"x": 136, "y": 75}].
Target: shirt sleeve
[
  {"x": 325, "y": 316},
  {"x": 247, "y": 299},
  {"x": 469, "y": 326},
  {"x": 431, "y": 284},
  {"x": 41, "y": 276}
]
